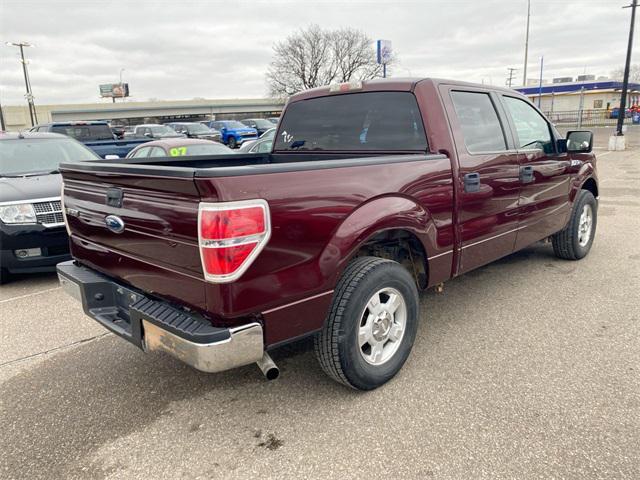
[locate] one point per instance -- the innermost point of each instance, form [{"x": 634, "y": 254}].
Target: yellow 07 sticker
[{"x": 178, "y": 151}]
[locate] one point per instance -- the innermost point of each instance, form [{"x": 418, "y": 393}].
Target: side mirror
[
  {"x": 579, "y": 141},
  {"x": 148, "y": 134}
]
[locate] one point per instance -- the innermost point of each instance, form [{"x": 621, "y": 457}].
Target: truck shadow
[{"x": 57, "y": 412}]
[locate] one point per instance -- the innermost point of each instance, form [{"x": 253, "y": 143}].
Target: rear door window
[
  {"x": 358, "y": 121},
  {"x": 479, "y": 122},
  {"x": 143, "y": 152},
  {"x": 157, "y": 152}
]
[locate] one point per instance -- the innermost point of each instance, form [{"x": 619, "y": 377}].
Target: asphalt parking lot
[{"x": 526, "y": 368}]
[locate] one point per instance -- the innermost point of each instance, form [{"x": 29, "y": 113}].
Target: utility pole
[
  {"x": 2, "y": 125},
  {"x": 27, "y": 83},
  {"x": 625, "y": 81},
  {"x": 540, "y": 84},
  {"x": 526, "y": 45},
  {"x": 510, "y": 78}
]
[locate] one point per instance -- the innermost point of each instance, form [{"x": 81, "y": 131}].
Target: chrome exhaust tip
[{"x": 268, "y": 367}]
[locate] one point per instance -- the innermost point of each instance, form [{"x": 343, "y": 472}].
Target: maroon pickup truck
[{"x": 373, "y": 192}]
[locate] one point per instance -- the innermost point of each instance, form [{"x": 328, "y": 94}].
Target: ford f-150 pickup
[{"x": 373, "y": 192}]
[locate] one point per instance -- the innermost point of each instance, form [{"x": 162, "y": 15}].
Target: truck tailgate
[{"x": 157, "y": 250}]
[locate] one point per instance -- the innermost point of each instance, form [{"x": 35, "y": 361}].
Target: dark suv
[
  {"x": 32, "y": 233},
  {"x": 196, "y": 130},
  {"x": 260, "y": 124}
]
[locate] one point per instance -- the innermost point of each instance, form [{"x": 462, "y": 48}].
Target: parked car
[
  {"x": 96, "y": 135},
  {"x": 261, "y": 146},
  {"x": 196, "y": 130},
  {"x": 274, "y": 120},
  {"x": 32, "y": 233},
  {"x": 268, "y": 135},
  {"x": 373, "y": 191},
  {"x": 233, "y": 132},
  {"x": 179, "y": 147},
  {"x": 155, "y": 131},
  {"x": 260, "y": 124}
]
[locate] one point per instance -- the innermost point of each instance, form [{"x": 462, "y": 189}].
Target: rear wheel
[
  {"x": 574, "y": 241},
  {"x": 371, "y": 326},
  {"x": 232, "y": 142}
]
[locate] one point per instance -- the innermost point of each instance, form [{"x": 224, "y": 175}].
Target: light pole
[
  {"x": 526, "y": 45},
  {"x": 32, "y": 108},
  {"x": 625, "y": 80}
]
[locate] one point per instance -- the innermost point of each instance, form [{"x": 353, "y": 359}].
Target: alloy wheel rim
[
  {"x": 382, "y": 326},
  {"x": 585, "y": 225}
]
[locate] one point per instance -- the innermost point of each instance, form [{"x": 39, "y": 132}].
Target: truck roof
[
  {"x": 406, "y": 84},
  {"x": 73, "y": 122},
  {"x": 14, "y": 135}
]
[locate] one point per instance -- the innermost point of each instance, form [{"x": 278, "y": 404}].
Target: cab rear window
[
  {"x": 358, "y": 121},
  {"x": 84, "y": 133}
]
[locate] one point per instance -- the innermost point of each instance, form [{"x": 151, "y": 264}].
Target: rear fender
[{"x": 371, "y": 218}]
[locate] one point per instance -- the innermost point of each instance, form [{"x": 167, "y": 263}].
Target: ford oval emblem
[{"x": 115, "y": 224}]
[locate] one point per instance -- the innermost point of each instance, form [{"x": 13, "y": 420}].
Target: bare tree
[
  {"x": 634, "y": 73},
  {"x": 313, "y": 57}
]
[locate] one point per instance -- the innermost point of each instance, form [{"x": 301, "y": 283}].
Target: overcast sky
[{"x": 186, "y": 49}]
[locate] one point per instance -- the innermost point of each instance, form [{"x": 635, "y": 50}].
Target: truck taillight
[{"x": 231, "y": 235}]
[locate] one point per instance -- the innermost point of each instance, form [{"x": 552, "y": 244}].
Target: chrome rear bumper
[
  {"x": 243, "y": 347},
  {"x": 154, "y": 325}
]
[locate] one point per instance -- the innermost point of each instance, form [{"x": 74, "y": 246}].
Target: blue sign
[{"x": 383, "y": 49}]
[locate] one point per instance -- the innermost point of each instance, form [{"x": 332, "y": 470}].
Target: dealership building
[
  {"x": 567, "y": 95},
  {"x": 16, "y": 117}
]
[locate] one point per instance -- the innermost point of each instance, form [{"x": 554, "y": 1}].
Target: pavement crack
[{"x": 51, "y": 350}]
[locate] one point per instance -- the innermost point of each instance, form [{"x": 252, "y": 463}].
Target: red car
[{"x": 373, "y": 192}]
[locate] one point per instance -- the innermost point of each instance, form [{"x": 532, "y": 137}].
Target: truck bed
[
  {"x": 316, "y": 214},
  {"x": 242, "y": 164}
]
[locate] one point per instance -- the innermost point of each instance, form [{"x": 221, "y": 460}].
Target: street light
[
  {"x": 32, "y": 108},
  {"x": 27, "y": 82}
]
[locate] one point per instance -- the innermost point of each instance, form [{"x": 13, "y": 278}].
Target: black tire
[
  {"x": 566, "y": 243},
  {"x": 337, "y": 346},
  {"x": 232, "y": 142},
  {"x": 4, "y": 276}
]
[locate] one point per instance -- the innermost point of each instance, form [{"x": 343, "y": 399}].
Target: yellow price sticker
[{"x": 178, "y": 151}]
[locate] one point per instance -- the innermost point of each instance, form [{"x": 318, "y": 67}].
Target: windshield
[
  {"x": 84, "y": 133},
  {"x": 234, "y": 124},
  {"x": 268, "y": 134},
  {"x": 31, "y": 155},
  {"x": 162, "y": 130},
  {"x": 198, "y": 128},
  {"x": 382, "y": 121}
]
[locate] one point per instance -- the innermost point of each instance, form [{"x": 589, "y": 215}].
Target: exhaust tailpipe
[{"x": 269, "y": 369}]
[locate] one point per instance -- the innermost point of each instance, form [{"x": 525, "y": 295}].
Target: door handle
[
  {"x": 526, "y": 174},
  {"x": 472, "y": 182}
]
